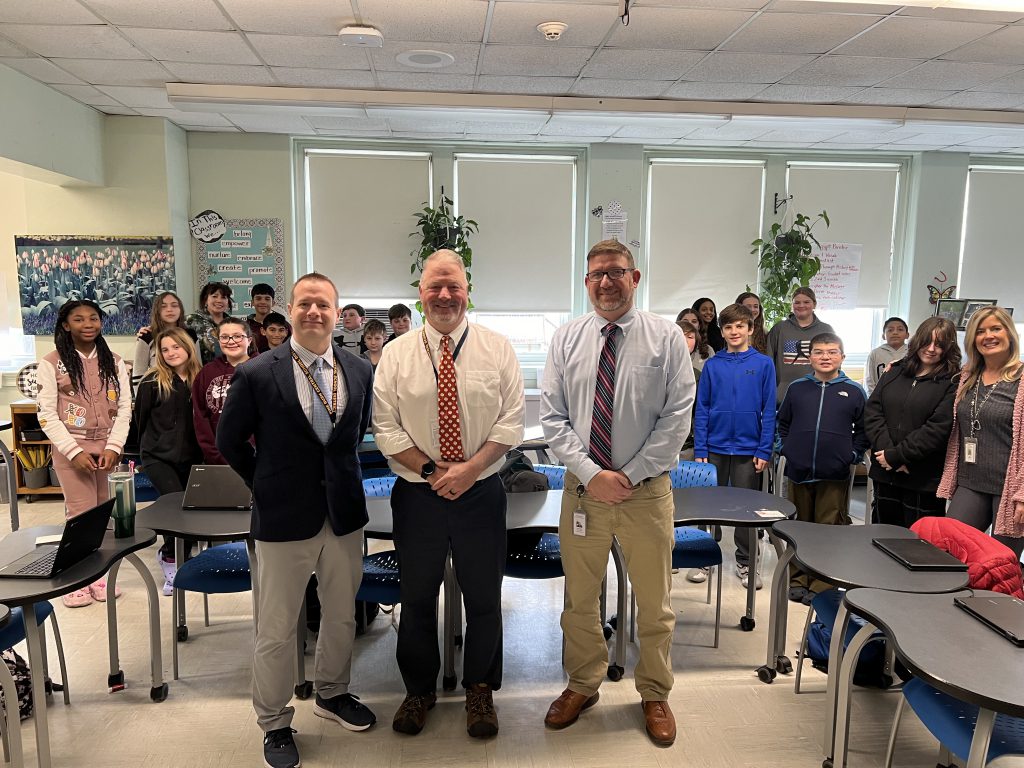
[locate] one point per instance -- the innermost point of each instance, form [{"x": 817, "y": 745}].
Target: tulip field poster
[{"x": 121, "y": 274}]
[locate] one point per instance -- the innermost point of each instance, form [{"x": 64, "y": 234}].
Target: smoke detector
[
  {"x": 361, "y": 37},
  {"x": 552, "y": 30}
]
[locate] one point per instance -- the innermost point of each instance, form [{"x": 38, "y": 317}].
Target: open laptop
[
  {"x": 919, "y": 555},
  {"x": 216, "y": 486},
  {"x": 1003, "y": 613},
  {"x": 82, "y": 536}
]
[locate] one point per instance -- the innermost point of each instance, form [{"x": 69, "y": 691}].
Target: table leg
[
  {"x": 844, "y": 685},
  {"x": 115, "y": 678},
  {"x": 158, "y": 691},
  {"x": 35, "y": 662},
  {"x": 835, "y": 660},
  {"x": 747, "y": 621},
  {"x": 12, "y": 484},
  {"x": 981, "y": 739},
  {"x": 780, "y": 627},
  {"x": 179, "y": 629},
  {"x": 450, "y": 596},
  {"x": 12, "y": 731},
  {"x": 618, "y": 666},
  {"x": 778, "y": 613}
]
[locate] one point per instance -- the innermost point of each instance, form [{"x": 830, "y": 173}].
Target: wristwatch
[{"x": 428, "y": 469}]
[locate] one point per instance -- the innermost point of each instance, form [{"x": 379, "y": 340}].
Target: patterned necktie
[
  {"x": 604, "y": 398},
  {"x": 322, "y": 424},
  {"x": 448, "y": 405}
]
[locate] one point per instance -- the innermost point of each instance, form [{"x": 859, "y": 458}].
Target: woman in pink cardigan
[{"x": 984, "y": 472}]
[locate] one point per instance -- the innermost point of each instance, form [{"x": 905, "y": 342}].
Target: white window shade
[
  {"x": 360, "y": 213},
  {"x": 702, "y": 217},
  {"x": 991, "y": 267},
  {"x": 861, "y": 202},
  {"x": 523, "y": 253}
]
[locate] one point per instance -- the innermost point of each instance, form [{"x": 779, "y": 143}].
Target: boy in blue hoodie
[
  {"x": 821, "y": 423},
  {"x": 734, "y": 419}
]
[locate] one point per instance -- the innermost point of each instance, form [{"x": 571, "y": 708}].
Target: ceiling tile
[
  {"x": 980, "y": 100},
  {"x": 425, "y": 81},
  {"x": 87, "y": 95},
  {"x": 332, "y": 122},
  {"x": 516, "y": 23},
  {"x": 541, "y": 86},
  {"x": 747, "y": 67},
  {"x": 798, "y": 32},
  {"x": 131, "y": 96},
  {"x": 896, "y": 97},
  {"x": 533, "y": 60},
  {"x": 408, "y": 124},
  {"x": 9, "y": 49},
  {"x": 459, "y": 21},
  {"x": 803, "y": 136},
  {"x": 949, "y": 75},
  {"x": 46, "y": 12},
  {"x": 714, "y": 91},
  {"x": 800, "y": 6},
  {"x": 194, "y": 46},
  {"x": 208, "y": 128},
  {"x": 936, "y": 139},
  {"x": 849, "y": 70},
  {"x": 80, "y": 42},
  {"x": 221, "y": 74},
  {"x": 914, "y": 38},
  {"x": 811, "y": 94},
  {"x": 1012, "y": 84},
  {"x": 677, "y": 29},
  {"x": 186, "y": 118},
  {"x": 863, "y": 137},
  {"x": 738, "y": 5},
  {"x": 1003, "y": 47},
  {"x": 466, "y": 55},
  {"x": 641, "y": 65},
  {"x": 311, "y": 17},
  {"x": 42, "y": 70},
  {"x": 180, "y": 14},
  {"x": 641, "y": 131},
  {"x": 732, "y": 132},
  {"x": 117, "y": 110},
  {"x": 501, "y": 138},
  {"x": 963, "y": 14},
  {"x": 557, "y": 127},
  {"x": 426, "y": 135},
  {"x": 100, "y": 72},
  {"x": 324, "y": 78},
  {"x": 999, "y": 140},
  {"x": 281, "y": 122},
  {"x": 311, "y": 52},
  {"x": 507, "y": 128},
  {"x": 625, "y": 89},
  {"x": 361, "y": 134},
  {"x": 700, "y": 142}
]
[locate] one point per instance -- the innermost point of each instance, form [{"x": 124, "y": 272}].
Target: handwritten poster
[
  {"x": 837, "y": 284},
  {"x": 250, "y": 251}
]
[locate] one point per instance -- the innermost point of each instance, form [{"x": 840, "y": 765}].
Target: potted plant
[
  {"x": 439, "y": 228},
  {"x": 785, "y": 262}
]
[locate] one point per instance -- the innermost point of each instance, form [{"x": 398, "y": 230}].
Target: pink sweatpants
[{"x": 82, "y": 489}]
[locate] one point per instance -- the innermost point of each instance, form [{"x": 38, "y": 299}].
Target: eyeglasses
[
  {"x": 826, "y": 353},
  {"x": 235, "y": 338},
  {"x": 613, "y": 274}
]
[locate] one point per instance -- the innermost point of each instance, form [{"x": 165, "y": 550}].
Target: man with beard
[{"x": 615, "y": 408}]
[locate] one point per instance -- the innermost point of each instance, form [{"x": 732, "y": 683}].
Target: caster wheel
[
  {"x": 608, "y": 631},
  {"x": 448, "y": 683},
  {"x": 457, "y": 641},
  {"x": 182, "y": 633},
  {"x": 116, "y": 680},
  {"x": 783, "y": 665},
  {"x": 766, "y": 674},
  {"x": 826, "y": 763},
  {"x": 746, "y": 623},
  {"x": 304, "y": 690},
  {"x": 159, "y": 693},
  {"x": 615, "y": 673}
]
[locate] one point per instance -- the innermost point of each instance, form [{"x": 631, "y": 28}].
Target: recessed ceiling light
[{"x": 425, "y": 59}]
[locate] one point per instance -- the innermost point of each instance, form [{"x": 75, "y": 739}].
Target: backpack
[
  {"x": 18, "y": 668},
  {"x": 518, "y": 476}
]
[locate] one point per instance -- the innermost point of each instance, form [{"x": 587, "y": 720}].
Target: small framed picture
[
  {"x": 951, "y": 309},
  {"x": 973, "y": 305}
]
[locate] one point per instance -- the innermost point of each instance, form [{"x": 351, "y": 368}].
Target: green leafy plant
[
  {"x": 785, "y": 262},
  {"x": 439, "y": 228}
]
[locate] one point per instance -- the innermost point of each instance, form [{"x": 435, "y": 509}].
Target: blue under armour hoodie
[{"x": 735, "y": 410}]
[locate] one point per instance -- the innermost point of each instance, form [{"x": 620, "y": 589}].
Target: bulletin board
[{"x": 251, "y": 251}]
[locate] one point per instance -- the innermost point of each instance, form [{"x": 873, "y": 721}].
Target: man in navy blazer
[{"x": 307, "y": 404}]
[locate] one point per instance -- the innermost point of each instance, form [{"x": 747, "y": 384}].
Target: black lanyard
[
  {"x": 455, "y": 354},
  {"x": 316, "y": 387}
]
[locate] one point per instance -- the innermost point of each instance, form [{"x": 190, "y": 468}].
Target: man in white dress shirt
[{"x": 447, "y": 405}]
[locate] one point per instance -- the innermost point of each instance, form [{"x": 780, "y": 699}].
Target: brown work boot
[
  {"x": 566, "y": 709},
  {"x": 661, "y": 725},
  {"x": 481, "y": 719},
  {"x": 412, "y": 715}
]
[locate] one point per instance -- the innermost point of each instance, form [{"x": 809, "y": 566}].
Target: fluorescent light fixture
[{"x": 1014, "y": 6}]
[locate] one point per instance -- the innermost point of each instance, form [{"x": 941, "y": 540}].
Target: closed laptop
[
  {"x": 919, "y": 555},
  {"x": 1003, "y": 613},
  {"x": 215, "y": 486}
]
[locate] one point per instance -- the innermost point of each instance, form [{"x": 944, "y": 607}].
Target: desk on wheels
[
  {"x": 27, "y": 592},
  {"x": 930, "y": 636},
  {"x": 842, "y": 555}
]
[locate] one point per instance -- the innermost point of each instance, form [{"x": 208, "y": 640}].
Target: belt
[{"x": 581, "y": 489}]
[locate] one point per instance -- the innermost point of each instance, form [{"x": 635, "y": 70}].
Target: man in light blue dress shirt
[{"x": 616, "y": 408}]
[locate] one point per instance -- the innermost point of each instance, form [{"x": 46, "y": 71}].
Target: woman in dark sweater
[
  {"x": 908, "y": 420},
  {"x": 708, "y": 315}
]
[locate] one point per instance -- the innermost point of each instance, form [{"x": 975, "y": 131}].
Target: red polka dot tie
[{"x": 448, "y": 405}]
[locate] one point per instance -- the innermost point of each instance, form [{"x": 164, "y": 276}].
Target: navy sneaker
[
  {"x": 346, "y": 710},
  {"x": 279, "y": 750}
]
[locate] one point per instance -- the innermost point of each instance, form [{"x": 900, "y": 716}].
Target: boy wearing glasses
[
  {"x": 821, "y": 423},
  {"x": 210, "y": 388}
]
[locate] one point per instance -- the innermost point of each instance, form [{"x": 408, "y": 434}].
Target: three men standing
[{"x": 615, "y": 408}]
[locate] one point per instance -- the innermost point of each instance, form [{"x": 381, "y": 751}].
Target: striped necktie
[{"x": 604, "y": 398}]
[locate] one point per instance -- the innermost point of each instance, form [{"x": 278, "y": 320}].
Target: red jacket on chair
[{"x": 990, "y": 564}]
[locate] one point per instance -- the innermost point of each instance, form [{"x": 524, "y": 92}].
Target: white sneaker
[
  {"x": 743, "y": 572},
  {"x": 168, "y": 588},
  {"x": 169, "y": 567},
  {"x": 697, "y": 575}
]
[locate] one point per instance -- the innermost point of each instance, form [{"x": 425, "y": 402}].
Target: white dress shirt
[
  {"x": 654, "y": 393},
  {"x": 490, "y": 385},
  {"x": 306, "y": 397}
]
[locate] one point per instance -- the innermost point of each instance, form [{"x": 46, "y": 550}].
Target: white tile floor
[{"x": 726, "y": 718}]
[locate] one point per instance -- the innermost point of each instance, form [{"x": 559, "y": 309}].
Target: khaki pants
[
  {"x": 826, "y": 502},
  {"x": 643, "y": 527}
]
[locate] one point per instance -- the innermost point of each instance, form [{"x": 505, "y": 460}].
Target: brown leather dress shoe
[
  {"x": 661, "y": 725},
  {"x": 566, "y": 709}
]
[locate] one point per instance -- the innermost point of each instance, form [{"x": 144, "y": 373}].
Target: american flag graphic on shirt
[{"x": 796, "y": 352}]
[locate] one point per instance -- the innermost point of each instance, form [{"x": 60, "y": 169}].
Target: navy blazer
[{"x": 296, "y": 480}]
